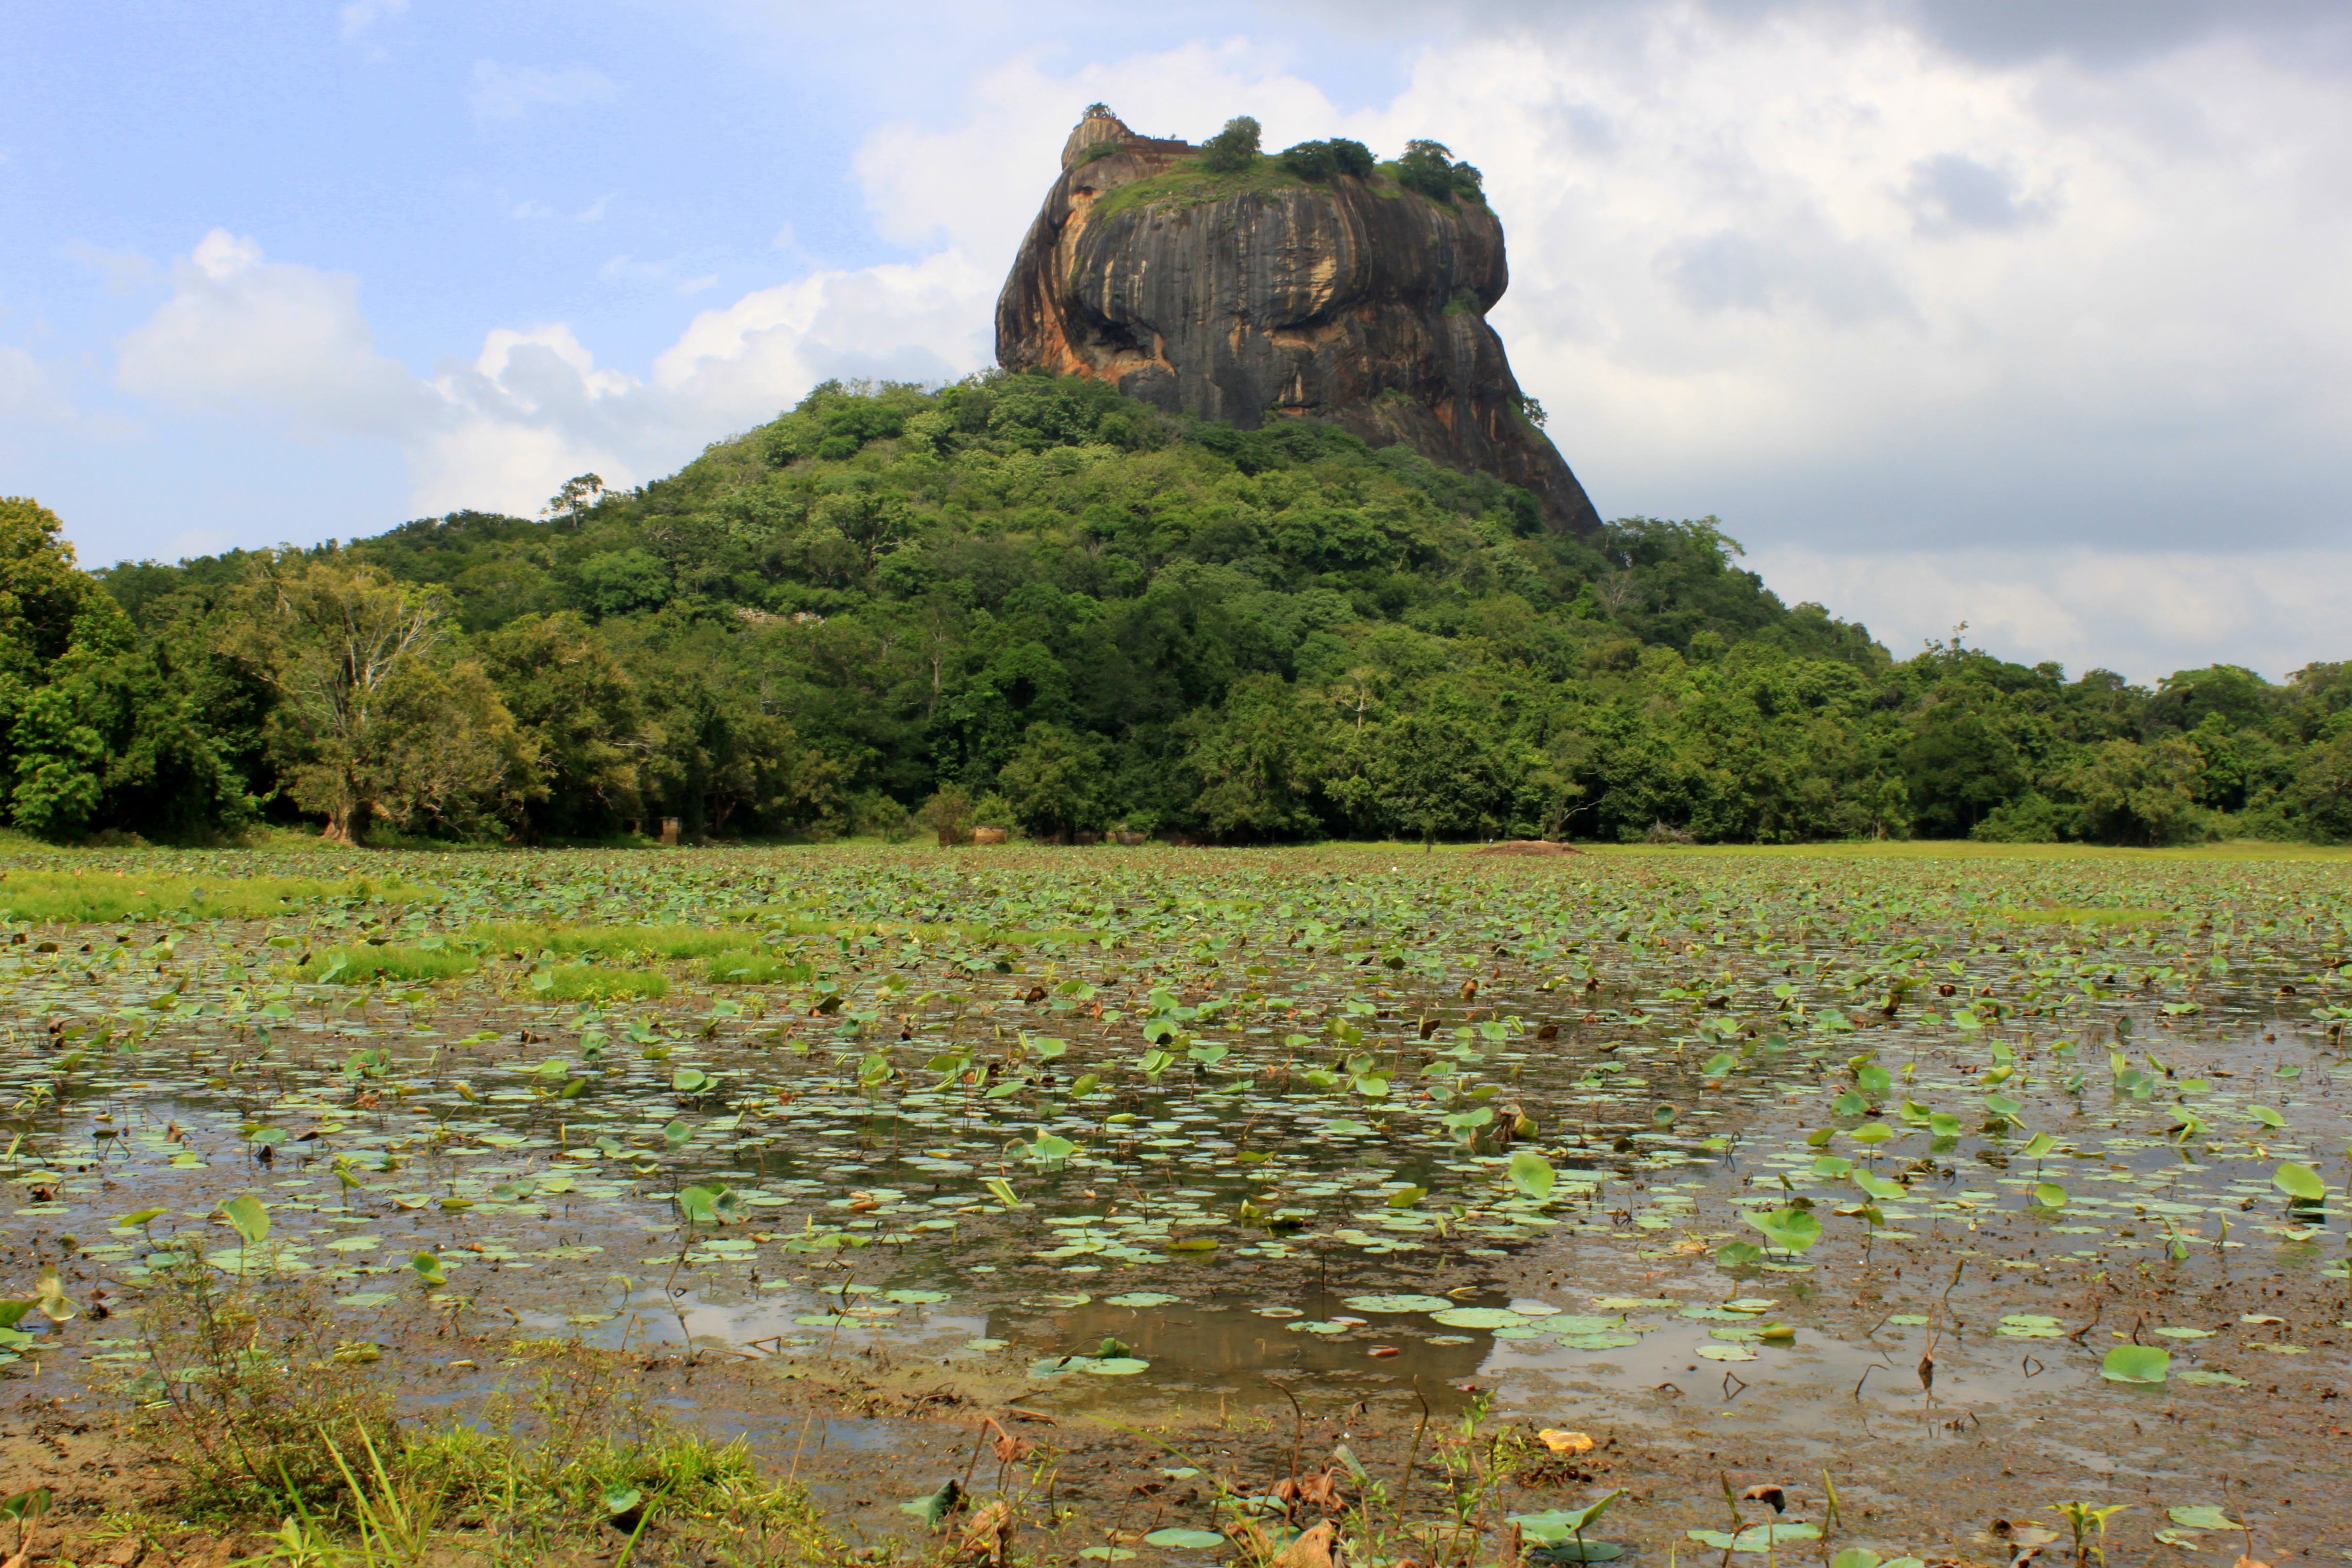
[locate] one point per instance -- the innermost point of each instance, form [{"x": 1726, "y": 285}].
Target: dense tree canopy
[{"x": 1069, "y": 614}]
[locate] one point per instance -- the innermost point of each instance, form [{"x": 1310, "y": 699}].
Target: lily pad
[
  {"x": 1187, "y": 1539},
  {"x": 1756, "y": 1537},
  {"x": 1478, "y": 1318},
  {"x": 2139, "y": 1365},
  {"x": 1397, "y": 1304}
]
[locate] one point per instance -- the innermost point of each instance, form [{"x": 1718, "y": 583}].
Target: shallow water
[{"x": 849, "y": 1120}]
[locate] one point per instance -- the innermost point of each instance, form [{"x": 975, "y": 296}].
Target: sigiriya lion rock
[{"x": 1245, "y": 288}]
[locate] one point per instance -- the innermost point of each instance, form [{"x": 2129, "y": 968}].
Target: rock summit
[{"x": 1256, "y": 294}]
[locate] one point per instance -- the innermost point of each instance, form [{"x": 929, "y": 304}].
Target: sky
[{"x": 2020, "y": 314}]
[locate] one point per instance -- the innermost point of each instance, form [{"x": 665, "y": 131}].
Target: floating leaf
[
  {"x": 249, "y": 1217},
  {"x": 1398, "y": 1304},
  {"x": 1756, "y": 1537},
  {"x": 2210, "y": 1377},
  {"x": 1478, "y": 1318},
  {"x": 1558, "y": 1525},
  {"x": 2300, "y": 1182},
  {"x": 2136, "y": 1364},
  {"x": 1790, "y": 1229},
  {"x": 1532, "y": 1174}
]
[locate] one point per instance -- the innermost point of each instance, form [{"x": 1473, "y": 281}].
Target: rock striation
[{"x": 1254, "y": 296}]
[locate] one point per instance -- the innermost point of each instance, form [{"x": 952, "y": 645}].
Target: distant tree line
[{"x": 1032, "y": 603}]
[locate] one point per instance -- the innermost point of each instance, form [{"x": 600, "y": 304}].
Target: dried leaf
[
  {"x": 989, "y": 1535},
  {"x": 1318, "y": 1548}
]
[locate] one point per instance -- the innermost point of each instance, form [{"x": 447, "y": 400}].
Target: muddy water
[{"x": 896, "y": 1164}]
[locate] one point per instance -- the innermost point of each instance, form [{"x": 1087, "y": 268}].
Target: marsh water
[{"x": 1134, "y": 1129}]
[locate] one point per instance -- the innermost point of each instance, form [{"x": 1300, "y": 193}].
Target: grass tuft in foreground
[{"x": 275, "y": 1421}]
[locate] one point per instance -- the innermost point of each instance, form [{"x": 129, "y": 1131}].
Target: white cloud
[
  {"x": 508, "y": 92},
  {"x": 2142, "y": 614},
  {"x": 594, "y": 211},
  {"x": 532, "y": 410},
  {"x": 1816, "y": 273},
  {"x": 239, "y": 333},
  {"x": 975, "y": 186}
]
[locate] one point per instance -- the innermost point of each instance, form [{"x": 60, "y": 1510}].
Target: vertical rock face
[{"x": 1249, "y": 297}]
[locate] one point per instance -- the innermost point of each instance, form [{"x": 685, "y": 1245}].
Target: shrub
[
  {"x": 1233, "y": 149},
  {"x": 245, "y": 1380},
  {"x": 947, "y": 814},
  {"x": 1321, "y": 161},
  {"x": 874, "y": 814},
  {"x": 1429, "y": 167},
  {"x": 2032, "y": 818}
]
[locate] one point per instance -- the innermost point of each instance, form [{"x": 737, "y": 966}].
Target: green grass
[
  {"x": 640, "y": 942},
  {"x": 107, "y": 895},
  {"x": 365, "y": 965},
  {"x": 1188, "y": 184},
  {"x": 755, "y": 968},
  {"x": 598, "y": 982}
]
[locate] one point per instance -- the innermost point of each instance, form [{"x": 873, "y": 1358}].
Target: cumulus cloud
[
  {"x": 533, "y": 408},
  {"x": 2141, "y": 614},
  {"x": 240, "y": 332},
  {"x": 1815, "y": 270},
  {"x": 508, "y": 92}
]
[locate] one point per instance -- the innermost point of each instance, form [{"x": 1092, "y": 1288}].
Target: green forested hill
[{"x": 1035, "y": 601}]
